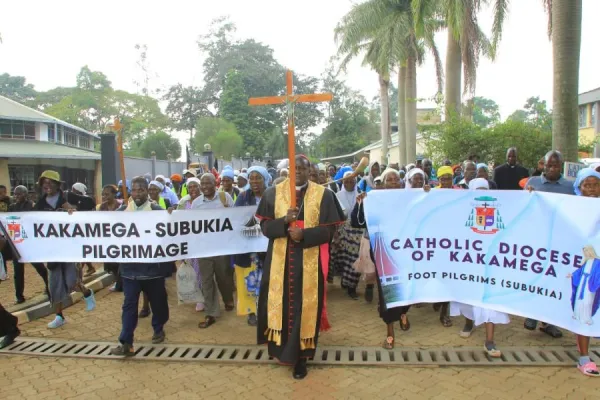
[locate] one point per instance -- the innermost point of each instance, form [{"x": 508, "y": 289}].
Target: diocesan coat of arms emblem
[{"x": 485, "y": 217}]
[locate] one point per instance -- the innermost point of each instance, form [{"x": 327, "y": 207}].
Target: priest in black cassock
[{"x": 291, "y": 295}]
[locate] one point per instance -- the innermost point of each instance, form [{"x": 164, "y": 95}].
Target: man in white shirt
[{"x": 214, "y": 268}]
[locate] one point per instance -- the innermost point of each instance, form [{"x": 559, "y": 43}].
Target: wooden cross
[{"x": 290, "y": 99}]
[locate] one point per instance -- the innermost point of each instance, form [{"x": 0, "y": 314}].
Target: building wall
[
  {"x": 140, "y": 166},
  {"x": 4, "y": 177},
  {"x": 41, "y": 132},
  {"x": 587, "y": 135},
  {"x": 393, "y": 154},
  {"x": 27, "y": 170}
]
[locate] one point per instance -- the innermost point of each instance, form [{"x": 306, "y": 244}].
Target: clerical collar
[{"x": 298, "y": 188}]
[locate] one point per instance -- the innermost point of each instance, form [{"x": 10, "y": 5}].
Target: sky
[{"x": 48, "y": 42}]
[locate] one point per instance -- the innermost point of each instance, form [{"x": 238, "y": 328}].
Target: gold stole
[{"x": 310, "y": 268}]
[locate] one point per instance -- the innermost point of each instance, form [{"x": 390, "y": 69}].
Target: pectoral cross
[{"x": 290, "y": 99}]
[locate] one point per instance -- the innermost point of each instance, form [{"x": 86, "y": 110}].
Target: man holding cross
[{"x": 291, "y": 299}]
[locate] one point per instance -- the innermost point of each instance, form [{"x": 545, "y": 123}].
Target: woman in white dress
[
  {"x": 476, "y": 316},
  {"x": 585, "y": 279}
]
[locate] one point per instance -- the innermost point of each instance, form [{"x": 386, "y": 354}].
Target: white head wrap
[
  {"x": 159, "y": 185},
  {"x": 479, "y": 183},
  {"x": 389, "y": 171},
  {"x": 411, "y": 173},
  {"x": 194, "y": 180},
  {"x": 80, "y": 187}
]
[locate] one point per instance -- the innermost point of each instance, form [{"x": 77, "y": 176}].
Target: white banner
[
  {"x": 528, "y": 254},
  {"x": 116, "y": 236}
]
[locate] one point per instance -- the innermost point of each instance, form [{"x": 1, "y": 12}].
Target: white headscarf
[
  {"x": 389, "y": 171},
  {"x": 195, "y": 180},
  {"x": 80, "y": 187},
  {"x": 346, "y": 198},
  {"x": 159, "y": 185},
  {"x": 411, "y": 173},
  {"x": 479, "y": 183}
]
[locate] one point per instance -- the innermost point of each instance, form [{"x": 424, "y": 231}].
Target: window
[
  {"x": 13, "y": 129},
  {"x": 51, "y": 133},
  {"x": 21, "y": 175},
  {"x": 583, "y": 116},
  {"x": 84, "y": 142},
  {"x": 593, "y": 118}
]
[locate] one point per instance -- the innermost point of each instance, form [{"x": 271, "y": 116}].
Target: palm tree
[
  {"x": 384, "y": 29},
  {"x": 564, "y": 29},
  {"x": 466, "y": 42}
]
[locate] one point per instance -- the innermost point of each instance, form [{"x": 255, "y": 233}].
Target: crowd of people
[{"x": 282, "y": 291}]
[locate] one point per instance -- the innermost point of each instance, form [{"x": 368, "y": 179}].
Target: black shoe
[
  {"x": 9, "y": 339},
  {"x": 123, "y": 350},
  {"x": 352, "y": 293},
  {"x": 369, "y": 293},
  {"x": 20, "y": 301},
  {"x": 252, "y": 321},
  {"x": 300, "y": 370},
  {"x": 158, "y": 337}
]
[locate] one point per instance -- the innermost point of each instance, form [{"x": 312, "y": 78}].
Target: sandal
[
  {"x": 388, "y": 343},
  {"x": 589, "y": 369},
  {"x": 404, "y": 322},
  {"x": 467, "y": 330},
  {"x": 491, "y": 350},
  {"x": 208, "y": 321},
  {"x": 446, "y": 321},
  {"x": 229, "y": 307},
  {"x": 552, "y": 331}
]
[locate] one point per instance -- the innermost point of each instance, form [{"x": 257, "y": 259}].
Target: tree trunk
[
  {"x": 566, "y": 45},
  {"x": 384, "y": 84},
  {"x": 402, "y": 117},
  {"x": 411, "y": 110},
  {"x": 453, "y": 77}
]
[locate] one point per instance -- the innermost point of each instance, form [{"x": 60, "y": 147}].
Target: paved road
[
  {"x": 355, "y": 323},
  {"x": 50, "y": 378}
]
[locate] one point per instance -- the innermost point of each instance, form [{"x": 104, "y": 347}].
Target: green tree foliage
[
  {"x": 221, "y": 135},
  {"x": 350, "y": 123},
  {"x": 93, "y": 103},
  {"x": 162, "y": 144},
  {"x": 185, "y": 104},
  {"x": 534, "y": 111},
  {"x": 16, "y": 88},
  {"x": 261, "y": 75},
  {"x": 485, "y": 112},
  {"x": 460, "y": 138}
]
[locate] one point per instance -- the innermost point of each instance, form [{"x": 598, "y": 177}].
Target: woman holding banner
[
  {"x": 585, "y": 292},
  {"x": 193, "y": 192},
  {"x": 248, "y": 267},
  {"x": 391, "y": 180},
  {"x": 476, "y": 316}
]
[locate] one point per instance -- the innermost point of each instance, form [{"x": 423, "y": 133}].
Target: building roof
[
  {"x": 11, "y": 109},
  {"x": 589, "y": 97},
  {"x": 368, "y": 148},
  {"x": 12, "y": 148}
]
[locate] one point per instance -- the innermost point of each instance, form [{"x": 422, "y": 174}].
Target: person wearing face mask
[{"x": 291, "y": 302}]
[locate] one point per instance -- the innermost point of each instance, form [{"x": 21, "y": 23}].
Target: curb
[{"x": 44, "y": 309}]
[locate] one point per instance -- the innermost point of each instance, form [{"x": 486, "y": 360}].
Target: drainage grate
[{"x": 326, "y": 355}]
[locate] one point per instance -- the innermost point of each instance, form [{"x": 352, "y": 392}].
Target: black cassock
[{"x": 273, "y": 228}]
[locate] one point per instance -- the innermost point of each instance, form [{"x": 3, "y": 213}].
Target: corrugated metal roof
[
  {"x": 589, "y": 97},
  {"x": 10, "y": 109},
  {"x": 11, "y": 148}
]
